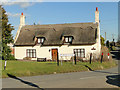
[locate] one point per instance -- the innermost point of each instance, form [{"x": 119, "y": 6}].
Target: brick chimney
[{"x": 97, "y": 15}]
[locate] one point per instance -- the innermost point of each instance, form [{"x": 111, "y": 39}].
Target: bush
[
  {"x": 11, "y": 57},
  {"x": 77, "y": 58},
  {"x": 105, "y": 52},
  {"x": 27, "y": 58},
  {"x": 102, "y": 40},
  {"x": 107, "y": 44}
]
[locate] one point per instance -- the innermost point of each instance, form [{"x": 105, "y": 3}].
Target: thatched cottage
[{"x": 53, "y": 40}]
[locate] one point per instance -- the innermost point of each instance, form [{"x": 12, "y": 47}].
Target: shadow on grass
[
  {"x": 25, "y": 82},
  {"x": 88, "y": 67},
  {"x": 113, "y": 80},
  {"x": 98, "y": 70}
]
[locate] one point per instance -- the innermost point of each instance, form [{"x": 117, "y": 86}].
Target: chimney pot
[
  {"x": 22, "y": 13},
  {"x": 96, "y": 8}
]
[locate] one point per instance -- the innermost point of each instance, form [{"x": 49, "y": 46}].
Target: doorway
[{"x": 54, "y": 54}]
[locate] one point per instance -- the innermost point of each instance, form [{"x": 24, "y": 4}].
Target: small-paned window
[
  {"x": 79, "y": 52},
  {"x": 31, "y": 53}
]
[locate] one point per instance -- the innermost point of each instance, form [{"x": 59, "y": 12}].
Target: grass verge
[{"x": 22, "y": 68}]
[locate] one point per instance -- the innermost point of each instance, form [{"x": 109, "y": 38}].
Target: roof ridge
[{"x": 62, "y": 24}]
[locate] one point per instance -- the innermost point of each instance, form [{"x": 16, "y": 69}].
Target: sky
[
  {"x": 66, "y": 12},
  {"x": 119, "y": 21}
]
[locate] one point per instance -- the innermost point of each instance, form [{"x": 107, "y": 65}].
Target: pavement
[{"x": 108, "y": 78}]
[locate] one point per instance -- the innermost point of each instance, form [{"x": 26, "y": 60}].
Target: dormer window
[
  {"x": 40, "y": 40},
  {"x": 68, "y": 39}
]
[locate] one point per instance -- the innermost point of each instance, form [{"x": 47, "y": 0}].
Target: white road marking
[
  {"x": 114, "y": 51},
  {"x": 92, "y": 77}
]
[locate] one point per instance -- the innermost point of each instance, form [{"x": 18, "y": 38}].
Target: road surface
[{"x": 90, "y": 79}]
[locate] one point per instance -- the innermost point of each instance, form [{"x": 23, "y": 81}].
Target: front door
[{"x": 54, "y": 54}]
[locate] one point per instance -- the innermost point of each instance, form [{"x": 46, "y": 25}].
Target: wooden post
[
  {"x": 101, "y": 57},
  {"x": 75, "y": 59},
  {"x": 57, "y": 59},
  {"x": 5, "y": 64},
  {"x": 90, "y": 57},
  {"x": 108, "y": 56},
  {"x": 61, "y": 62}
]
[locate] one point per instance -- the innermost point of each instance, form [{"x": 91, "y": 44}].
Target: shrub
[
  {"x": 107, "y": 44},
  {"x": 27, "y": 58},
  {"x": 102, "y": 40},
  {"x": 77, "y": 58},
  {"x": 11, "y": 57},
  {"x": 105, "y": 52}
]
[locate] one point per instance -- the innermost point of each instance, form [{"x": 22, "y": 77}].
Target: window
[
  {"x": 79, "y": 53},
  {"x": 40, "y": 40},
  {"x": 31, "y": 53},
  {"x": 68, "y": 39}
]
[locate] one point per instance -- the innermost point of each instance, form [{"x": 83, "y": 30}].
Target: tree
[
  {"x": 6, "y": 35},
  {"x": 118, "y": 42},
  {"x": 102, "y": 40},
  {"x": 107, "y": 43},
  {"x": 34, "y": 23}
]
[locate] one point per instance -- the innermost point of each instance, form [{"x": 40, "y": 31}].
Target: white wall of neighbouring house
[{"x": 46, "y": 51}]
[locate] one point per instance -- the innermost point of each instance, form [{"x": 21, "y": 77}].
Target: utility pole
[
  {"x": 105, "y": 36},
  {"x": 113, "y": 37}
]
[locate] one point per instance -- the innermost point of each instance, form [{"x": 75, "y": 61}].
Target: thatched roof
[{"x": 83, "y": 33}]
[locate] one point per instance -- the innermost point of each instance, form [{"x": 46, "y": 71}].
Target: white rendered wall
[{"x": 45, "y": 51}]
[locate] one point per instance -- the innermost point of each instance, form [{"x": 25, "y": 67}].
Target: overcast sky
[{"x": 65, "y": 12}]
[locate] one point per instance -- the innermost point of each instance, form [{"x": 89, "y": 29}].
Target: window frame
[
  {"x": 40, "y": 38},
  {"x": 80, "y": 51},
  {"x": 31, "y": 53},
  {"x": 68, "y": 37}
]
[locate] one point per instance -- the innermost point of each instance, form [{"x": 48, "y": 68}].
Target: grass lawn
[{"x": 22, "y": 68}]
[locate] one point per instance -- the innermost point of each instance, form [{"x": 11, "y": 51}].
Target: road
[
  {"x": 90, "y": 79},
  {"x": 116, "y": 55}
]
